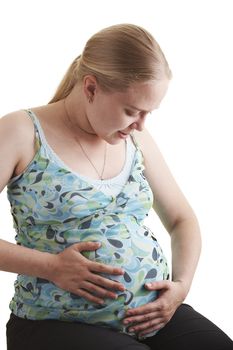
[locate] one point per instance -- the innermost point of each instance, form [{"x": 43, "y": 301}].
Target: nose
[{"x": 139, "y": 125}]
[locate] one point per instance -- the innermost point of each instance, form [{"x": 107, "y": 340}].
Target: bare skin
[{"x": 105, "y": 119}]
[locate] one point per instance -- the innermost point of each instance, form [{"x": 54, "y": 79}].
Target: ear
[{"x": 90, "y": 87}]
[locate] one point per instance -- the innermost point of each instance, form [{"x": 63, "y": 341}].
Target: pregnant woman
[{"x": 82, "y": 174}]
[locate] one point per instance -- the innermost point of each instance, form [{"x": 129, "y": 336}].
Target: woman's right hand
[{"x": 71, "y": 271}]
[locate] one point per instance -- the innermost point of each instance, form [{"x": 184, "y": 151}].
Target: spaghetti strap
[
  {"x": 135, "y": 142},
  {"x": 37, "y": 127}
]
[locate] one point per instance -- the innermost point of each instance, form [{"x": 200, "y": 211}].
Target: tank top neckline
[{"x": 90, "y": 181}]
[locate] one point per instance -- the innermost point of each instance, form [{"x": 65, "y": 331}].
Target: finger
[
  {"x": 86, "y": 295},
  {"x": 142, "y": 318},
  {"x": 144, "y": 309},
  {"x": 145, "y": 326},
  {"x": 102, "y": 268},
  {"x": 106, "y": 283},
  {"x": 158, "y": 285},
  {"x": 151, "y": 329},
  {"x": 81, "y": 246},
  {"x": 159, "y": 305},
  {"x": 90, "y": 287}
]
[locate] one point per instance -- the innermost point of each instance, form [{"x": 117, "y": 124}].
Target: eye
[{"x": 131, "y": 113}]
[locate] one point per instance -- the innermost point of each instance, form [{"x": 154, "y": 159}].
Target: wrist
[
  {"x": 184, "y": 287},
  {"x": 49, "y": 266}
]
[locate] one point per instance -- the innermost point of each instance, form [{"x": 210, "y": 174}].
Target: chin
[{"x": 113, "y": 139}]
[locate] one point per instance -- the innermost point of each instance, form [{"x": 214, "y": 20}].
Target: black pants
[{"x": 187, "y": 330}]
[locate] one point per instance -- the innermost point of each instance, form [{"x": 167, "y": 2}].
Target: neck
[{"x": 75, "y": 116}]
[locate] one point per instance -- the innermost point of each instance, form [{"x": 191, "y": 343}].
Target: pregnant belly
[
  {"x": 142, "y": 260},
  {"x": 137, "y": 253}
]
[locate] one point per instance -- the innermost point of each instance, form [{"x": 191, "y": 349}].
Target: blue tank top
[{"x": 53, "y": 208}]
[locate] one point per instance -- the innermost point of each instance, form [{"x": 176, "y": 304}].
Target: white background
[{"x": 193, "y": 128}]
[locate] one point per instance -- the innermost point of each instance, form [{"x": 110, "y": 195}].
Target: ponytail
[{"x": 68, "y": 82}]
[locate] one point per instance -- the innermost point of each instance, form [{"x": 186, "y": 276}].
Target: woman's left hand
[{"x": 153, "y": 316}]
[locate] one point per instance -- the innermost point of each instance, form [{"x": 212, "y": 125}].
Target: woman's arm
[
  {"x": 18, "y": 259},
  {"x": 174, "y": 212},
  {"x": 186, "y": 247},
  {"x": 16, "y": 140}
]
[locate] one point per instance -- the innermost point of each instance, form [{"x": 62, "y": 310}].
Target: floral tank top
[{"x": 53, "y": 208}]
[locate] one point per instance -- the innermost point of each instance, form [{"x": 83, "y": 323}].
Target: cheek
[
  {"x": 108, "y": 117},
  {"x": 111, "y": 120}
]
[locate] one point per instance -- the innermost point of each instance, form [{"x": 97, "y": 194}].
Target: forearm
[
  {"x": 186, "y": 247},
  {"x": 22, "y": 260}
]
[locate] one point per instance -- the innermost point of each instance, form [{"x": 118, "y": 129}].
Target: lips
[{"x": 123, "y": 134}]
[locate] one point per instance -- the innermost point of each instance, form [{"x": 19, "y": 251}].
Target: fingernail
[{"x": 149, "y": 285}]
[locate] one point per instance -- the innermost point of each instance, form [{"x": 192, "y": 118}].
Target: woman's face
[{"x": 113, "y": 116}]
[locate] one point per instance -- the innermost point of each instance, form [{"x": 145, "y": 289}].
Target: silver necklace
[{"x": 100, "y": 174}]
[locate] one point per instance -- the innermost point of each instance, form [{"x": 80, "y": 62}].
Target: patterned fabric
[{"x": 53, "y": 208}]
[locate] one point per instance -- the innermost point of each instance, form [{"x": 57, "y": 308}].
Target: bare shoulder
[
  {"x": 16, "y": 130},
  {"x": 16, "y": 142},
  {"x": 147, "y": 144},
  {"x": 156, "y": 168},
  {"x": 16, "y": 122}
]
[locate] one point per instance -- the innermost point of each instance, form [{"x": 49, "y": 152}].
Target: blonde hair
[{"x": 117, "y": 56}]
